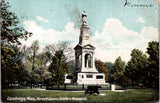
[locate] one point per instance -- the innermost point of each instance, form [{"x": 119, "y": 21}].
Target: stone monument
[{"x": 85, "y": 70}]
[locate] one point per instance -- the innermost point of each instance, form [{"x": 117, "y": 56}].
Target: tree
[
  {"x": 50, "y": 52},
  {"x": 153, "y": 67},
  {"x": 11, "y": 31},
  {"x": 42, "y": 68},
  {"x": 102, "y": 68},
  {"x": 9, "y": 67},
  {"x": 48, "y": 55},
  {"x": 58, "y": 67},
  {"x": 33, "y": 64},
  {"x": 71, "y": 66},
  {"x": 21, "y": 52},
  {"x": 137, "y": 67},
  {"x": 109, "y": 66},
  {"x": 34, "y": 50},
  {"x": 62, "y": 46},
  {"x": 117, "y": 72},
  {"x": 40, "y": 73}
]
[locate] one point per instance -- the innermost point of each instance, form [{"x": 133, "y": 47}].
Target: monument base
[{"x": 91, "y": 79}]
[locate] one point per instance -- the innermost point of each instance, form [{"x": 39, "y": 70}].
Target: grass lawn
[{"x": 130, "y": 95}]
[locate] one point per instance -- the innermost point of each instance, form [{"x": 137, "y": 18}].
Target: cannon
[{"x": 92, "y": 89}]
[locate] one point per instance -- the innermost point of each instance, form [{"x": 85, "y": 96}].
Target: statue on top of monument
[{"x": 84, "y": 17}]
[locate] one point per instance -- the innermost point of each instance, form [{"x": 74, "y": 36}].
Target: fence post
[
  {"x": 83, "y": 86},
  {"x": 113, "y": 87},
  {"x": 65, "y": 86}
]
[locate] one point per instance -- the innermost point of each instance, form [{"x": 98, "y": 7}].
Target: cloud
[
  {"x": 41, "y": 19},
  {"x": 141, "y": 20},
  {"x": 115, "y": 39},
  {"x": 112, "y": 55},
  {"x": 50, "y": 36}
]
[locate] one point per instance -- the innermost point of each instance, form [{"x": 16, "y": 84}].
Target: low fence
[
  {"x": 70, "y": 87},
  {"x": 80, "y": 87}
]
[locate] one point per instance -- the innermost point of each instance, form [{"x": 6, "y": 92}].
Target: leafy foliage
[
  {"x": 21, "y": 52},
  {"x": 11, "y": 31},
  {"x": 117, "y": 72},
  {"x": 109, "y": 65},
  {"x": 34, "y": 50},
  {"x": 102, "y": 68},
  {"x": 153, "y": 67},
  {"x": 36, "y": 65},
  {"x": 136, "y": 68},
  {"x": 9, "y": 66},
  {"x": 58, "y": 67}
]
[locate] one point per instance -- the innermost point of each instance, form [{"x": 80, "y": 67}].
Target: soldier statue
[{"x": 84, "y": 17}]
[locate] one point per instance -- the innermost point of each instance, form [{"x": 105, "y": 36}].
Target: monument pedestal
[{"x": 90, "y": 78}]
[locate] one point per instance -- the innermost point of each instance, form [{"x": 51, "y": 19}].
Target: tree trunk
[
  {"x": 11, "y": 84},
  {"x": 57, "y": 84},
  {"x": 41, "y": 84},
  {"x": 18, "y": 84},
  {"x": 8, "y": 78},
  {"x": 34, "y": 55},
  {"x": 31, "y": 84},
  {"x": 8, "y": 82},
  {"x": 58, "y": 73}
]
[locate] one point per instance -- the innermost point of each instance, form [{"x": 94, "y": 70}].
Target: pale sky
[{"x": 115, "y": 29}]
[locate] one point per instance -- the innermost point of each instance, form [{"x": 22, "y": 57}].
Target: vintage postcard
[{"x": 79, "y": 51}]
